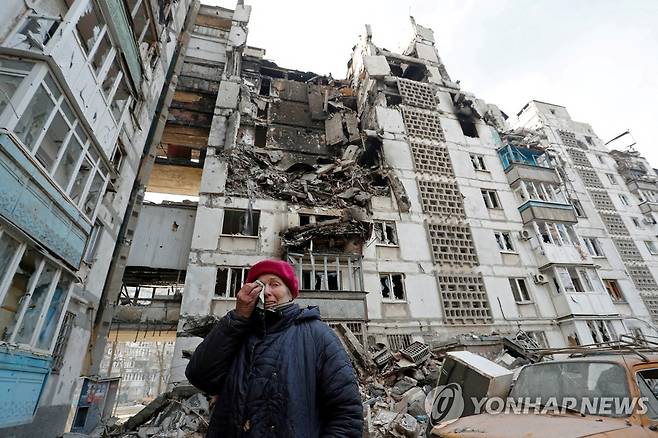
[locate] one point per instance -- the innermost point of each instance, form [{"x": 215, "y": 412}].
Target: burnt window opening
[
  {"x": 261, "y": 113},
  {"x": 385, "y": 233},
  {"x": 468, "y": 127},
  {"x": 241, "y": 222},
  {"x": 370, "y": 155},
  {"x": 265, "y": 84},
  {"x": 260, "y": 137},
  {"x": 229, "y": 280},
  {"x": 304, "y": 219},
  {"x": 317, "y": 281},
  {"x": 414, "y": 72},
  {"x": 392, "y": 287}
]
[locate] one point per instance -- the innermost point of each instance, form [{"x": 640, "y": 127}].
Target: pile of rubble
[{"x": 340, "y": 182}]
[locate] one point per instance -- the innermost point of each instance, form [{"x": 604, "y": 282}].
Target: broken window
[
  {"x": 539, "y": 337},
  {"x": 468, "y": 127},
  {"x": 260, "y": 136},
  {"x": 317, "y": 280},
  {"x": 36, "y": 31},
  {"x": 578, "y": 207},
  {"x": 120, "y": 100},
  {"x": 504, "y": 240},
  {"x": 91, "y": 27},
  {"x": 490, "y": 198},
  {"x": 624, "y": 200},
  {"x": 651, "y": 246},
  {"x": 265, "y": 84},
  {"x": 613, "y": 290},
  {"x": 241, "y": 222},
  {"x": 305, "y": 219},
  {"x": 519, "y": 290},
  {"x": 117, "y": 157},
  {"x": 33, "y": 296},
  {"x": 385, "y": 233},
  {"x": 392, "y": 287},
  {"x": 593, "y": 246},
  {"x": 478, "y": 162},
  {"x": 636, "y": 222},
  {"x": 12, "y": 73},
  {"x": 229, "y": 280},
  {"x": 611, "y": 178}
]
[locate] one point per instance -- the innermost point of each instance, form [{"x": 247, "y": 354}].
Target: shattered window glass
[
  {"x": 20, "y": 283},
  {"x": 95, "y": 192},
  {"x": 47, "y": 333},
  {"x": 392, "y": 287},
  {"x": 229, "y": 281},
  {"x": 120, "y": 99},
  {"x": 385, "y": 233},
  {"x": 90, "y": 26},
  {"x": 35, "y": 33},
  {"x": 241, "y": 222},
  {"x": 34, "y": 118},
  {"x": 36, "y": 304},
  {"x": 52, "y": 141}
]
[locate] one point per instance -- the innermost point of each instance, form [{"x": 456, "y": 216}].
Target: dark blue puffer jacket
[{"x": 286, "y": 377}]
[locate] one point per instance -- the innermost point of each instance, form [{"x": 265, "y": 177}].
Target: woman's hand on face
[{"x": 246, "y": 299}]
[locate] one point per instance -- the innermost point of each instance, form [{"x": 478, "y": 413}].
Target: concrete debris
[
  {"x": 336, "y": 230},
  {"x": 309, "y": 180},
  {"x": 182, "y": 412}
]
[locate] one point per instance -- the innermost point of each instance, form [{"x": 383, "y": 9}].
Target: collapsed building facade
[{"x": 410, "y": 209}]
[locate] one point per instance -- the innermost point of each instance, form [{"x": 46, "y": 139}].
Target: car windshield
[{"x": 595, "y": 388}]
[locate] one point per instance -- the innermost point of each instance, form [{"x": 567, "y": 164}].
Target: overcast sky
[{"x": 599, "y": 58}]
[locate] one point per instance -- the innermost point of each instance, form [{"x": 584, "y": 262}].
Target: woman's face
[{"x": 276, "y": 291}]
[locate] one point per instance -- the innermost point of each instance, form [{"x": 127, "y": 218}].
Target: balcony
[
  {"x": 649, "y": 207},
  {"x": 578, "y": 290},
  {"x": 528, "y": 164},
  {"x": 536, "y": 210},
  {"x": 557, "y": 244},
  {"x": 333, "y": 282},
  {"x": 32, "y": 201}
]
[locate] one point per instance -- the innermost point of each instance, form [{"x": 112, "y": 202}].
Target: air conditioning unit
[
  {"x": 525, "y": 235},
  {"x": 540, "y": 279}
]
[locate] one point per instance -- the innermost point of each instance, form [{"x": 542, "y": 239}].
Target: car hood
[{"x": 526, "y": 425}]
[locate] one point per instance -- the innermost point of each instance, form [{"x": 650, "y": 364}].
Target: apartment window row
[
  {"x": 556, "y": 233},
  {"x": 541, "y": 191},
  {"x": 491, "y": 200},
  {"x": 34, "y": 293},
  {"x": 55, "y": 137},
  {"x": 478, "y": 162},
  {"x": 572, "y": 279}
]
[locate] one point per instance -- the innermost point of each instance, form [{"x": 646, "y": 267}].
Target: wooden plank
[
  {"x": 185, "y": 136},
  {"x": 216, "y": 22},
  {"x": 200, "y": 102},
  {"x": 178, "y": 180}
]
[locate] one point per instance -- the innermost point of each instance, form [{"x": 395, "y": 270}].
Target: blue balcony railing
[{"x": 511, "y": 154}]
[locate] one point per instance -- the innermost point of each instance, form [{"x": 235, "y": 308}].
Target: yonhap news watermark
[{"x": 446, "y": 402}]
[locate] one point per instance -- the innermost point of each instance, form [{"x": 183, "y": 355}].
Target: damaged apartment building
[
  {"x": 410, "y": 209},
  {"x": 82, "y": 84}
]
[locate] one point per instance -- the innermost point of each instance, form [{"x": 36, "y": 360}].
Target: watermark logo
[{"x": 446, "y": 402}]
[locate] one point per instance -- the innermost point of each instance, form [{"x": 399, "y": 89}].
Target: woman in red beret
[{"x": 277, "y": 369}]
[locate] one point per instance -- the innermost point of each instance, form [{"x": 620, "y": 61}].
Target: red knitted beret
[{"x": 279, "y": 268}]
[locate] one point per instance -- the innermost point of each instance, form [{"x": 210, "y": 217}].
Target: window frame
[
  {"x": 244, "y": 210},
  {"x": 24, "y": 302},
  {"x": 478, "y": 162},
  {"x": 490, "y": 197},
  {"x": 502, "y": 239},
  {"x": 523, "y": 297},
  {"x": 392, "y": 298},
  {"x": 612, "y": 179},
  {"x": 651, "y": 247},
  {"x": 395, "y": 242},
  {"x": 593, "y": 247},
  {"x": 617, "y": 295},
  {"x": 244, "y": 270}
]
